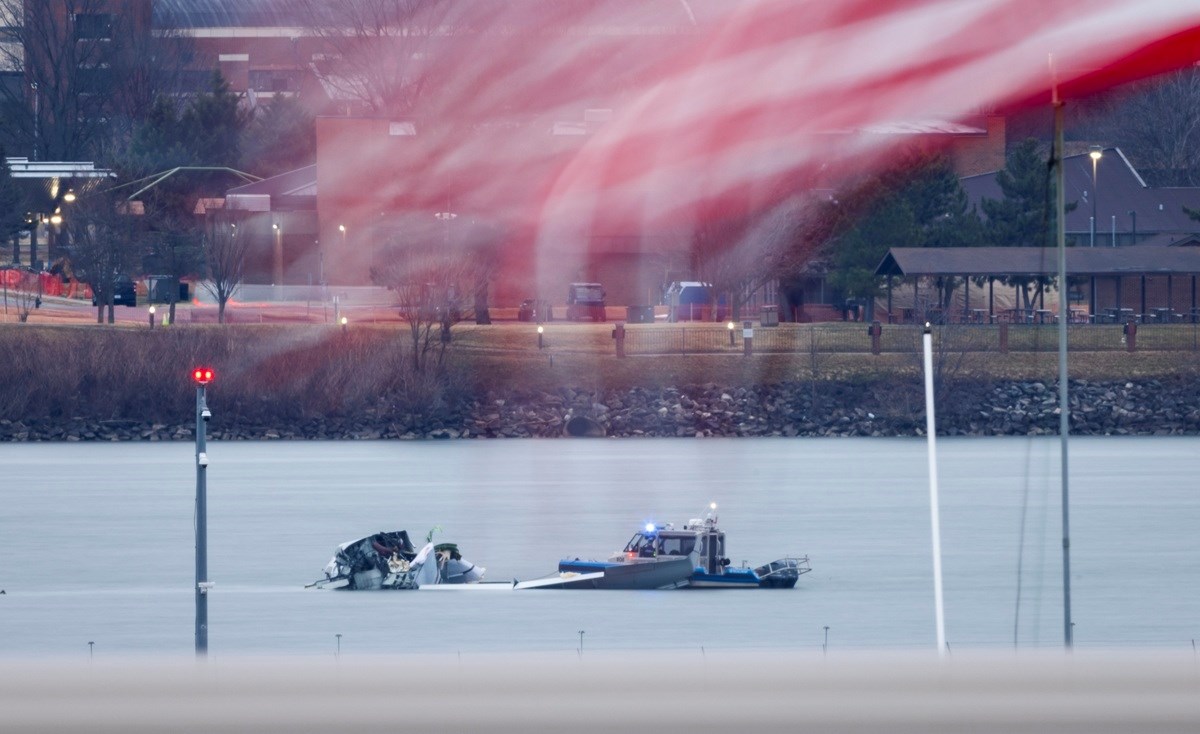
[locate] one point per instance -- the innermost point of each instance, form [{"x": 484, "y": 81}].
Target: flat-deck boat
[{"x": 661, "y": 557}]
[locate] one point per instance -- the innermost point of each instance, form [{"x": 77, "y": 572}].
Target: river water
[{"x": 96, "y": 543}]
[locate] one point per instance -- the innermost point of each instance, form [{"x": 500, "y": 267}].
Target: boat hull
[
  {"x": 737, "y": 579},
  {"x": 780, "y": 574},
  {"x": 662, "y": 573}
]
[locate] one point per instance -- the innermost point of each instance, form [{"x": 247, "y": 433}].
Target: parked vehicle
[
  {"x": 586, "y": 301},
  {"x": 124, "y": 292},
  {"x": 532, "y": 309},
  {"x": 691, "y": 300}
]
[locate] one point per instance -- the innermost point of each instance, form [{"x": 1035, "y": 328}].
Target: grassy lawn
[{"x": 584, "y": 355}]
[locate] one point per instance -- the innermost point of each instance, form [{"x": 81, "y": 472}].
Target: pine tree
[
  {"x": 212, "y": 125},
  {"x": 12, "y": 206},
  {"x": 1025, "y": 216},
  {"x": 917, "y": 203},
  {"x": 281, "y": 137}
]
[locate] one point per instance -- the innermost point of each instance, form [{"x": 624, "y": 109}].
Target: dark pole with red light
[{"x": 202, "y": 376}]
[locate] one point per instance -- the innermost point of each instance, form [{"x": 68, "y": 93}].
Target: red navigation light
[{"x": 202, "y": 375}]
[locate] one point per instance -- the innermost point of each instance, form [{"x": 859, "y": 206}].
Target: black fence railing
[{"x": 902, "y": 339}]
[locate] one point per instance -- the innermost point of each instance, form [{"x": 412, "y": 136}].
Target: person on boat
[{"x": 649, "y": 548}]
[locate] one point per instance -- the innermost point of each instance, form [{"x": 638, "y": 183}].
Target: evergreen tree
[
  {"x": 888, "y": 222},
  {"x": 12, "y": 207},
  {"x": 280, "y": 137},
  {"x": 1025, "y": 216},
  {"x": 205, "y": 133},
  {"x": 212, "y": 125},
  {"x": 917, "y": 203},
  {"x": 159, "y": 142}
]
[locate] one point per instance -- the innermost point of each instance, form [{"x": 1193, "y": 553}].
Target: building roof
[
  {"x": 1004, "y": 261},
  {"x": 226, "y": 13},
  {"x": 193, "y": 14},
  {"x": 1172, "y": 239},
  {"x": 289, "y": 191},
  {"x": 1119, "y": 190}
]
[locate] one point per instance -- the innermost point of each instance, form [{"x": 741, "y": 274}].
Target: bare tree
[
  {"x": 738, "y": 256},
  {"x": 379, "y": 49},
  {"x": 435, "y": 271},
  {"x": 175, "y": 253},
  {"x": 66, "y": 51},
  {"x": 23, "y": 289},
  {"x": 88, "y": 73},
  {"x": 225, "y": 255},
  {"x": 1157, "y": 123},
  {"x": 104, "y": 243}
]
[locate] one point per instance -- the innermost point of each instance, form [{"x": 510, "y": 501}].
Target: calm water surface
[{"x": 96, "y": 543}]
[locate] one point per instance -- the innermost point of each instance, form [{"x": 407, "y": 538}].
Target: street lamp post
[
  {"x": 1095, "y": 153},
  {"x": 202, "y": 376},
  {"x": 278, "y": 257},
  {"x": 37, "y": 119},
  {"x": 343, "y": 253},
  {"x": 446, "y": 217}
]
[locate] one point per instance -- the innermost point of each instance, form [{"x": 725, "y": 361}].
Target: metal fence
[{"x": 853, "y": 338}]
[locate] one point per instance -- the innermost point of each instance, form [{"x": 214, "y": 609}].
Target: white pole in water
[{"x": 935, "y": 521}]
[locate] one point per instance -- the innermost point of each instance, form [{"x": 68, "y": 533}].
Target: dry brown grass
[{"x": 267, "y": 373}]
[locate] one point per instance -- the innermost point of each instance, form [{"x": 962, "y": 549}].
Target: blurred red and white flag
[
  {"x": 711, "y": 104},
  {"x": 766, "y": 89}
]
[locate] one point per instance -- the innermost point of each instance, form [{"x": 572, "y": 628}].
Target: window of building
[
  {"x": 274, "y": 81},
  {"x": 93, "y": 25}
]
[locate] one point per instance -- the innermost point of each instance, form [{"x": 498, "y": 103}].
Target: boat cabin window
[
  {"x": 645, "y": 544},
  {"x": 718, "y": 541},
  {"x": 641, "y": 544},
  {"x": 676, "y": 545}
]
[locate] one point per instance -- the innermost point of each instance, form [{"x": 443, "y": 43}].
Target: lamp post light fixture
[
  {"x": 69, "y": 196},
  {"x": 277, "y": 257},
  {"x": 202, "y": 376},
  {"x": 152, "y": 317},
  {"x": 1095, "y": 153},
  {"x": 446, "y": 217},
  {"x": 730, "y": 326},
  {"x": 540, "y": 331}
]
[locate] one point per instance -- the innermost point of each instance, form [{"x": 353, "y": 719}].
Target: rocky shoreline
[{"x": 800, "y": 409}]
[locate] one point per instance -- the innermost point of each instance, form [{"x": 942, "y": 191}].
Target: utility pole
[{"x": 1064, "y": 420}]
